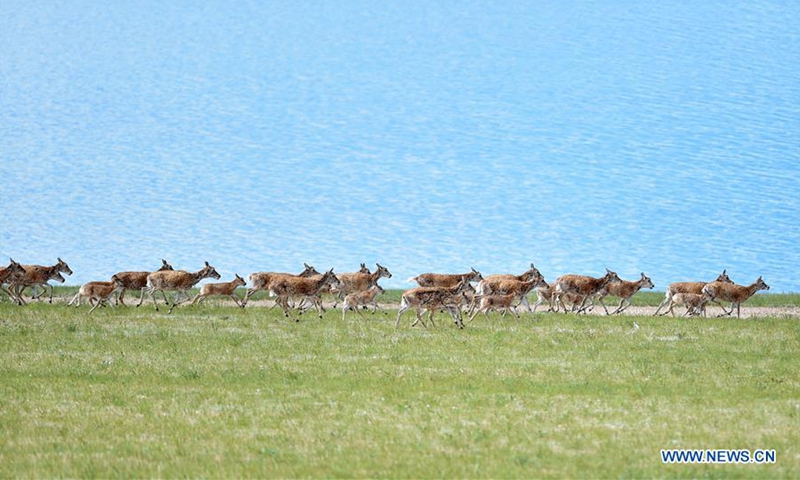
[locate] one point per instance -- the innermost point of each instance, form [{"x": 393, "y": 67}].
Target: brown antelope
[
  {"x": 138, "y": 281},
  {"x": 581, "y": 285},
  {"x": 360, "y": 282},
  {"x": 431, "y": 299},
  {"x": 38, "y": 276},
  {"x": 6, "y": 273},
  {"x": 263, "y": 280},
  {"x": 179, "y": 281},
  {"x": 486, "y": 286},
  {"x": 695, "y": 304},
  {"x": 545, "y": 292},
  {"x": 224, "y": 288},
  {"x": 494, "y": 303},
  {"x": 689, "y": 287},
  {"x": 736, "y": 294},
  {"x": 302, "y": 288},
  {"x": 99, "y": 292},
  {"x": 365, "y": 298},
  {"x": 623, "y": 290},
  {"x": 445, "y": 279},
  {"x": 511, "y": 286}
]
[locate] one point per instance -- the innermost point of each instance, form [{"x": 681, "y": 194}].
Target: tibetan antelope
[
  {"x": 623, "y": 290},
  {"x": 38, "y": 276},
  {"x": 365, "y": 298},
  {"x": 360, "y": 282},
  {"x": 6, "y": 273},
  {"x": 224, "y": 288},
  {"x": 736, "y": 294},
  {"x": 179, "y": 281},
  {"x": 138, "y": 281},
  {"x": 302, "y": 288},
  {"x": 263, "y": 280},
  {"x": 432, "y": 299},
  {"x": 494, "y": 303},
  {"x": 486, "y": 286},
  {"x": 689, "y": 287},
  {"x": 545, "y": 292},
  {"x": 581, "y": 285},
  {"x": 446, "y": 279},
  {"x": 519, "y": 289},
  {"x": 99, "y": 292},
  {"x": 695, "y": 303}
]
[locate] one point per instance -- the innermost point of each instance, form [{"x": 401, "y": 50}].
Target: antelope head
[
  {"x": 239, "y": 281},
  {"x": 308, "y": 271},
  {"x": 610, "y": 277},
  {"x": 364, "y": 269},
  {"x": 723, "y": 277},
  {"x": 761, "y": 285},
  {"x": 383, "y": 271},
  {"x": 165, "y": 266},
  {"x": 646, "y": 282},
  {"x": 209, "y": 271},
  {"x": 63, "y": 267},
  {"x": 475, "y": 276}
]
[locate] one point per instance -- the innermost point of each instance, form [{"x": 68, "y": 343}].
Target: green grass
[{"x": 215, "y": 391}]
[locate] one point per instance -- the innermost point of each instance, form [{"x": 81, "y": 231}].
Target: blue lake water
[{"x": 661, "y": 137}]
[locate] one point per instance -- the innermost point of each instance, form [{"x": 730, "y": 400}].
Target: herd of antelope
[{"x": 451, "y": 293}]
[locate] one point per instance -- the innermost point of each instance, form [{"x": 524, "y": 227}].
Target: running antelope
[
  {"x": 224, "y": 288},
  {"x": 99, "y": 292},
  {"x": 38, "y": 276},
  {"x": 446, "y": 279},
  {"x": 695, "y": 303},
  {"x": 581, "y": 285},
  {"x": 179, "y": 281},
  {"x": 689, "y": 287},
  {"x": 263, "y": 280},
  {"x": 289, "y": 287},
  {"x": 623, "y": 290},
  {"x": 365, "y": 298},
  {"x": 736, "y": 294},
  {"x": 545, "y": 293},
  {"x": 6, "y": 273},
  {"x": 431, "y": 299},
  {"x": 494, "y": 303},
  {"x": 138, "y": 281},
  {"x": 360, "y": 282},
  {"x": 518, "y": 288},
  {"x": 486, "y": 286}
]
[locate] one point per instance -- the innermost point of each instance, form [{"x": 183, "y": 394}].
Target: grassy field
[{"x": 215, "y": 391}]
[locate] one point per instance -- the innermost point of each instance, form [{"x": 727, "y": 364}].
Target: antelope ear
[
  {"x": 207, "y": 265},
  {"x": 163, "y": 262},
  {"x": 725, "y": 272},
  {"x": 59, "y": 259}
]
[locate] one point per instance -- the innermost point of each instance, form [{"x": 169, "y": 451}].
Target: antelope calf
[
  {"x": 365, "y": 298},
  {"x": 623, "y": 290},
  {"x": 695, "y": 303},
  {"x": 431, "y": 299},
  {"x": 179, "y": 281},
  {"x": 138, "y": 281},
  {"x": 360, "y": 282},
  {"x": 6, "y": 273},
  {"x": 263, "y": 280},
  {"x": 99, "y": 292},
  {"x": 489, "y": 284},
  {"x": 688, "y": 287},
  {"x": 286, "y": 288},
  {"x": 494, "y": 303},
  {"x": 736, "y": 294},
  {"x": 514, "y": 287},
  {"x": 446, "y": 279},
  {"x": 224, "y": 288},
  {"x": 38, "y": 276},
  {"x": 581, "y": 285}
]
